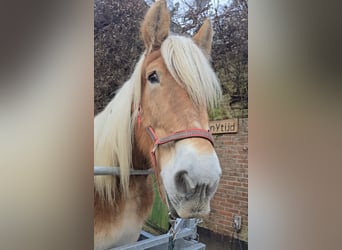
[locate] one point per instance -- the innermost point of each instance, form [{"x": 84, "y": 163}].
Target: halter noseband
[{"x": 176, "y": 136}]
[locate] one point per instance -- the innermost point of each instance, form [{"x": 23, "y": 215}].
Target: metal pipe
[{"x": 101, "y": 170}]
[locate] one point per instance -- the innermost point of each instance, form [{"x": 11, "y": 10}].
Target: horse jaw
[{"x": 190, "y": 173}]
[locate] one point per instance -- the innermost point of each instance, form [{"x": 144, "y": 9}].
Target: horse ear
[
  {"x": 155, "y": 27},
  {"x": 204, "y": 37}
]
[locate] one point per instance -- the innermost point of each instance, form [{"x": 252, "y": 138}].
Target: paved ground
[{"x": 218, "y": 242}]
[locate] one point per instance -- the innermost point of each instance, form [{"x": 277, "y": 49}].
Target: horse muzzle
[
  {"x": 190, "y": 180},
  {"x": 191, "y": 206}
]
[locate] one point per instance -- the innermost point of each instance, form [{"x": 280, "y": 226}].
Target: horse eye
[{"x": 153, "y": 78}]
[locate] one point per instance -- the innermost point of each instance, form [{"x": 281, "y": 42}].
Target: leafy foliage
[{"x": 117, "y": 45}]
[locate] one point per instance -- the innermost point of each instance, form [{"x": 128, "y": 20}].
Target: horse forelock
[
  {"x": 189, "y": 66},
  {"x": 114, "y": 137}
]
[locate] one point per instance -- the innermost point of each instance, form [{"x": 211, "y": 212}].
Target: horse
[{"x": 158, "y": 118}]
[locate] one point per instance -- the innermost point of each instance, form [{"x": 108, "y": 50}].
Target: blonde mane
[
  {"x": 113, "y": 136},
  {"x": 114, "y": 126}
]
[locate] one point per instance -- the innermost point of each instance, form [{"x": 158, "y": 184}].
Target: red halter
[{"x": 176, "y": 136}]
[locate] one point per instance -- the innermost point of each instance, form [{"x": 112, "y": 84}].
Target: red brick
[{"x": 232, "y": 194}]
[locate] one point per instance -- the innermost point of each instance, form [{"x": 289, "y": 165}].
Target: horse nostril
[
  {"x": 211, "y": 189},
  {"x": 183, "y": 182}
]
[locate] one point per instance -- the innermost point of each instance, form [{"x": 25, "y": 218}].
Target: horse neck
[{"x": 141, "y": 185}]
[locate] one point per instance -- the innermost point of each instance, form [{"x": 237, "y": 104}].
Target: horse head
[{"x": 178, "y": 85}]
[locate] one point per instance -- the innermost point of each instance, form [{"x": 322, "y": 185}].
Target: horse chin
[{"x": 186, "y": 209}]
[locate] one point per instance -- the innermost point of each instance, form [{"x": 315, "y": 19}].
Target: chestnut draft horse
[{"x": 158, "y": 118}]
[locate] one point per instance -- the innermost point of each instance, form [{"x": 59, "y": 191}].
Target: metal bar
[
  {"x": 194, "y": 245},
  {"x": 185, "y": 229},
  {"x": 148, "y": 243},
  {"x": 185, "y": 232},
  {"x": 101, "y": 170},
  {"x": 146, "y": 235},
  {"x": 162, "y": 241}
]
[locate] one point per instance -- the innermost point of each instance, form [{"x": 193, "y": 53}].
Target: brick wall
[{"x": 231, "y": 197}]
